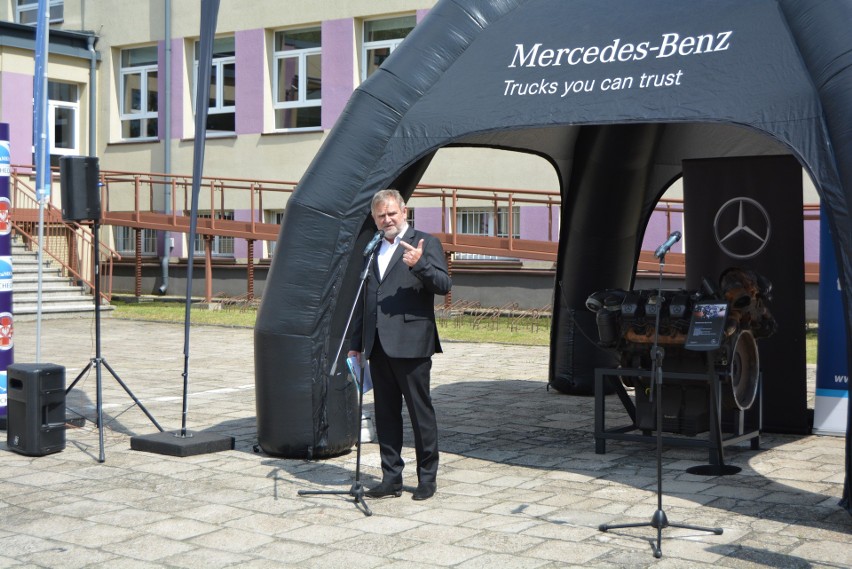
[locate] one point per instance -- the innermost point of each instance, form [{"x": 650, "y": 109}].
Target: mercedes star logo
[{"x": 742, "y": 228}]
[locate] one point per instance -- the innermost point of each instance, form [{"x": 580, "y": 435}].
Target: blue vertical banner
[
  {"x": 832, "y": 380},
  {"x": 40, "y": 131},
  {"x": 6, "y": 320}
]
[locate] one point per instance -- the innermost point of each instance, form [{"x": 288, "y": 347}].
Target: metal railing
[
  {"x": 454, "y": 199},
  {"x": 69, "y": 244},
  {"x": 133, "y": 199},
  {"x": 139, "y": 200}
]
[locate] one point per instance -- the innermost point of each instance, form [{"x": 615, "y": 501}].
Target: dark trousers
[{"x": 395, "y": 379}]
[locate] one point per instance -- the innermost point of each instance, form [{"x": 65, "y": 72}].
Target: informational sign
[
  {"x": 6, "y": 319},
  {"x": 831, "y": 404},
  {"x": 707, "y": 327}
]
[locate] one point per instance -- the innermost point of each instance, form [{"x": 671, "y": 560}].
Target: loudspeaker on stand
[{"x": 79, "y": 178}]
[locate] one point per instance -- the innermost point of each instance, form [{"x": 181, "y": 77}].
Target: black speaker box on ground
[
  {"x": 35, "y": 408},
  {"x": 685, "y": 410},
  {"x": 79, "y": 178}
]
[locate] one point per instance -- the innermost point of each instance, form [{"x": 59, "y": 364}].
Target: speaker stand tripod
[
  {"x": 356, "y": 491},
  {"x": 659, "y": 520},
  {"x": 98, "y": 362}
]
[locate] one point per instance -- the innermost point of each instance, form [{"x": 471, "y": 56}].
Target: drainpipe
[{"x": 167, "y": 146}]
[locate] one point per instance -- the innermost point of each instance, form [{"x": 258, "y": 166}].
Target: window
[
  {"x": 223, "y": 246},
  {"x": 221, "y": 114},
  {"x": 125, "y": 240},
  {"x": 381, "y": 37},
  {"x": 483, "y": 221},
  {"x": 298, "y": 79},
  {"x": 139, "y": 93},
  {"x": 63, "y": 111},
  {"x": 276, "y": 217},
  {"x": 26, "y": 11}
]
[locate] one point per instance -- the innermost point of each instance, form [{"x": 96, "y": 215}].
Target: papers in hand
[{"x": 355, "y": 374}]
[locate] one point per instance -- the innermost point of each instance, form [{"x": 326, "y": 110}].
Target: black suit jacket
[{"x": 402, "y": 305}]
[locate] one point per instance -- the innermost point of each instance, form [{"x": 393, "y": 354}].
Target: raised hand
[{"x": 412, "y": 254}]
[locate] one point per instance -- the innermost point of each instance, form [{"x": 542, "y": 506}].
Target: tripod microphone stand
[
  {"x": 659, "y": 520},
  {"x": 357, "y": 491},
  {"x": 98, "y": 361}
]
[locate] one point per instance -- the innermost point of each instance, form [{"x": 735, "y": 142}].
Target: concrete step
[
  {"x": 51, "y": 296},
  {"x": 29, "y": 313},
  {"x": 60, "y": 298},
  {"x": 28, "y": 278},
  {"x": 26, "y": 260},
  {"x": 32, "y": 268},
  {"x": 58, "y": 304},
  {"x": 51, "y": 285},
  {"x": 28, "y": 263}
]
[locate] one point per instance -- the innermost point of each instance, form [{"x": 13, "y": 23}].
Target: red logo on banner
[
  {"x": 5, "y": 221},
  {"x": 6, "y": 330}
]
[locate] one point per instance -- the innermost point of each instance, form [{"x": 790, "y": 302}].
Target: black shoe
[
  {"x": 424, "y": 491},
  {"x": 384, "y": 490}
]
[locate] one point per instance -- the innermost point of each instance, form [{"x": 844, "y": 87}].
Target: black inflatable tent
[{"x": 614, "y": 93}]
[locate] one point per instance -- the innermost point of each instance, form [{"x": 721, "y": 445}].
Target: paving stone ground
[{"x": 520, "y": 484}]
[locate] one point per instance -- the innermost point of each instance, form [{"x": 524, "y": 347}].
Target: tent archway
[{"x": 770, "y": 75}]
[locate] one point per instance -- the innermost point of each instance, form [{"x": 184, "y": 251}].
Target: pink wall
[
  {"x": 428, "y": 219},
  {"x": 250, "y": 60},
  {"x": 178, "y": 70},
  {"x": 535, "y": 224},
  {"x": 338, "y": 71},
  {"x": 16, "y": 95},
  {"x": 659, "y": 228}
]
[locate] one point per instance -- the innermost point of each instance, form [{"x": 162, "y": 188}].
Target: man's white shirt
[{"x": 386, "y": 251}]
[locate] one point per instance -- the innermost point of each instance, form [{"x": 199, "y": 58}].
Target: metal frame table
[{"x": 747, "y": 427}]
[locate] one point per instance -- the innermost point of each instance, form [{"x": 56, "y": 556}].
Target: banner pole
[
  {"x": 183, "y": 442},
  {"x": 42, "y": 149}
]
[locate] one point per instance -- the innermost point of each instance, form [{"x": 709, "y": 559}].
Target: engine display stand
[{"x": 746, "y": 428}]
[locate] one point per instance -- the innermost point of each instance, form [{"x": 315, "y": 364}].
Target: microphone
[
  {"x": 374, "y": 242},
  {"x": 664, "y": 248}
]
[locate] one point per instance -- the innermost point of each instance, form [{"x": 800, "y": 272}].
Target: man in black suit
[{"x": 399, "y": 338}]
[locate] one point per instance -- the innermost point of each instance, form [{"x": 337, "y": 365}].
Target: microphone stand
[
  {"x": 357, "y": 491},
  {"x": 659, "y": 520}
]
